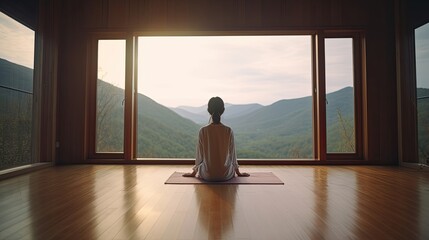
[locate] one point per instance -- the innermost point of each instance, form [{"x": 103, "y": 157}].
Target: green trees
[
  {"x": 15, "y": 128},
  {"x": 280, "y": 131},
  {"x": 423, "y": 124},
  {"x": 110, "y": 118},
  {"x": 347, "y": 133},
  {"x": 16, "y": 104}
]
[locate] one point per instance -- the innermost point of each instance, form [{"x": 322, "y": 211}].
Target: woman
[{"x": 216, "y": 159}]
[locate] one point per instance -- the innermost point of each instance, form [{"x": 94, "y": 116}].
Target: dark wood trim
[
  {"x": 321, "y": 97},
  {"x": 241, "y": 162},
  {"x": 358, "y": 79},
  {"x": 92, "y": 94},
  {"x": 406, "y": 84},
  {"x": 135, "y": 97},
  {"x": 364, "y": 106},
  {"x": 129, "y": 99},
  {"x": 314, "y": 73},
  {"x": 358, "y": 73}
]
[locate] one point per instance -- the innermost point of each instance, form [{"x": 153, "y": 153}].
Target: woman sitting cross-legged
[{"x": 216, "y": 159}]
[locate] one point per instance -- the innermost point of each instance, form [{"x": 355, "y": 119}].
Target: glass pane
[
  {"x": 16, "y": 92},
  {"x": 110, "y": 96},
  {"x": 265, "y": 81},
  {"x": 422, "y": 75},
  {"x": 340, "y": 120}
]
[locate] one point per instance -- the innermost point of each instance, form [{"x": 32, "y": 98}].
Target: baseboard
[
  {"x": 418, "y": 166},
  {"x": 12, "y": 172}
]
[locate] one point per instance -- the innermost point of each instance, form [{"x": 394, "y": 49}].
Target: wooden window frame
[
  {"x": 129, "y": 123},
  {"x": 359, "y": 73},
  {"x": 318, "y": 81}
]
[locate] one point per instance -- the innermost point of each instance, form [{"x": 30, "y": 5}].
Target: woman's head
[{"x": 216, "y": 108}]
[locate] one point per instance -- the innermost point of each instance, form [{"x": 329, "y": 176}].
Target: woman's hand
[
  {"x": 240, "y": 174},
  {"x": 243, "y": 174},
  {"x": 192, "y": 174}
]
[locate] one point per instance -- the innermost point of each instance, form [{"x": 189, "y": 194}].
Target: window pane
[
  {"x": 265, "y": 81},
  {"x": 422, "y": 75},
  {"x": 16, "y": 92},
  {"x": 110, "y": 96},
  {"x": 340, "y": 119}
]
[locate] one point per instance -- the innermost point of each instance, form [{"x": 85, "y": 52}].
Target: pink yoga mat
[{"x": 255, "y": 178}]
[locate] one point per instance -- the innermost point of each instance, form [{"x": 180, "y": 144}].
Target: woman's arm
[
  {"x": 198, "y": 157},
  {"x": 234, "y": 155}
]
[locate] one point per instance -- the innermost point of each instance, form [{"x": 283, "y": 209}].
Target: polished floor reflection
[{"x": 132, "y": 202}]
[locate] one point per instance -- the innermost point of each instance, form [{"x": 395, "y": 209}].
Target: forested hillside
[
  {"x": 16, "y": 99},
  {"x": 200, "y": 115},
  {"x": 423, "y": 123},
  {"x": 161, "y": 132},
  {"x": 281, "y": 130}
]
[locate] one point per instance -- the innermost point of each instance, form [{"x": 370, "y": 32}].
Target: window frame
[
  {"x": 36, "y": 103},
  {"x": 92, "y": 96},
  {"x": 318, "y": 81},
  {"x": 359, "y": 73}
]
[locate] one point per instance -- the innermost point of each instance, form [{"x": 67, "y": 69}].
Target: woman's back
[
  {"x": 216, "y": 159},
  {"x": 216, "y": 153}
]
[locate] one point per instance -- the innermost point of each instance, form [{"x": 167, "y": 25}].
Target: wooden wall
[
  {"x": 78, "y": 18},
  {"x": 409, "y": 16}
]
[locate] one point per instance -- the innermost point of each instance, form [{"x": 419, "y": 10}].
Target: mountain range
[
  {"x": 280, "y": 130},
  {"x": 200, "y": 115}
]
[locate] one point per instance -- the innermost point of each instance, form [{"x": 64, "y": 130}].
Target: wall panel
[{"x": 375, "y": 17}]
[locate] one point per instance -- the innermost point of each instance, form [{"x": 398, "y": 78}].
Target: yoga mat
[{"x": 255, "y": 178}]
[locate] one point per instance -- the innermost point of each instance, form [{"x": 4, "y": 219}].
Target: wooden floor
[{"x": 132, "y": 202}]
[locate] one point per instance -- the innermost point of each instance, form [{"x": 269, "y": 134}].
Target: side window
[
  {"x": 109, "y": 135},
  {"x": 340, "y": 123},
  {"x": 16, "y": 92},
  {"x": 422, "y": 84}
]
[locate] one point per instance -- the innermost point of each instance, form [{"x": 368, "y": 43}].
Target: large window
[
  {"x": 16, "y": 92},
  {"x": 152, "y": 93},
  {"x": 422, "y": 83},
  {"x": 266, "y": 82}
]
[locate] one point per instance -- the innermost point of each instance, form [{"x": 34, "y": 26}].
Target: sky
[
  {"x": 16, "y": 42},
  {"x": 178, "y": 71},
  {"x": 422, "y": 56},
  {"x": 189, "y": 70}
]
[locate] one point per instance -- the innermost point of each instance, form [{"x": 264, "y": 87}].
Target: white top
[{"x": 216, "y": 159}]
